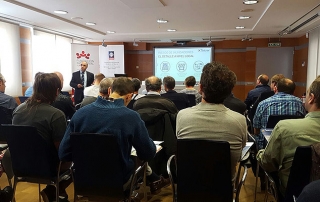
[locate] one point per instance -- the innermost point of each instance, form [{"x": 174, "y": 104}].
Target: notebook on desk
[{"x": 158, "y": 148}]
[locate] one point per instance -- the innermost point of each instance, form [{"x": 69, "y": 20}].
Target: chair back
[
  {"x": 31, "y": 155},
  {"x": 274, "y": 119},
  {"x": 130, "y": 105},
  {"x": 98, "y": 168},
  {"x": 5, "y": 118},
  {"x": 300, "y": 172},
  {"x": 203, "y": 170},
  {"x": 192, "y": 100}
]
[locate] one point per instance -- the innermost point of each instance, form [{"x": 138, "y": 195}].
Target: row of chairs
[{"x": 33, "y": 160}]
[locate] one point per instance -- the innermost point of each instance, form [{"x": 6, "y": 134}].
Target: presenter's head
[
  {"x": 153, "y": 83},
  {"x": 217, "y": 82},
  {"x": 84, "y": 66}
]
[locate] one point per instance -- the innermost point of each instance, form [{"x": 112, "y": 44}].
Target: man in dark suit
[
  {"x": 179, "y": 99},
  {"x": 80, "y": 80}
]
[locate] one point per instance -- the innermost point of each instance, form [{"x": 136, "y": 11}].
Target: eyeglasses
[{"x": 83, "y": 65}]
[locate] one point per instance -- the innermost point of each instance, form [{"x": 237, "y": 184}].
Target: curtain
[
  {"x": 313, "y": 56},
  {"x": 52, "y": 53},
  {"x": 10, "y": 58}
]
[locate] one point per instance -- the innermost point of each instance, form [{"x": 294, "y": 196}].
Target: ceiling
[{"x": 137, "y": 19}]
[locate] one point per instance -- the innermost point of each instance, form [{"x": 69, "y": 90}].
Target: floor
[{"x": 27, "y": 192}]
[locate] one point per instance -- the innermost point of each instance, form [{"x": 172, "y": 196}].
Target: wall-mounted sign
[{"x": 277, "y": 44}]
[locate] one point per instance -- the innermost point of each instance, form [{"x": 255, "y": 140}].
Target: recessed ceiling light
[
  {"x": 90, "y": 23},
  {"x": 76, "y": 18},
  {"x": 240, "y": 27},
  {"x": 60, "y": 12},
  {"x": 162, "y": 21},
  {"x": 171, "y": 30},
  {"x": 246, "y": 10},
  {"x": 111, "y": 32},
  {"x": 243, "y": 17},
  {"x": 249, "y": 2}
]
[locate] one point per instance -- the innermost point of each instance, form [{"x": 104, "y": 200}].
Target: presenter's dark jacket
[{"x": 76, "y": 79}]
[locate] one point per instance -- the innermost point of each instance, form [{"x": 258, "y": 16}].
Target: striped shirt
[{"x": 278, "y": 104}]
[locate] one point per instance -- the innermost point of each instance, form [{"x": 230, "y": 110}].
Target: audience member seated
[
  {"x": 291, "y": 133},
  {"x": 210, "y": 119},
  {"x": 29, "y": 90},
  {"x": 235, "y": 104},
  {"x": 181, "y": 100},
  {"x": 310, "y": 193},
  {"x": 63, "y": 102},
  {"x": 190, "y": 82},
  {"x": 117, "y": 120},
  {"x": 153, "y": 98},
  {"x": 49, "y": 121},
  {"x": 262, "y": 86},
  {"x": 93, "y": 90},
  {"x": 104, "y": 91},
  {"x": 265, "y": 95},
  {"x": 282, "y": 103},
  {"x": 6, "y": 101},
  {"x": 136, "y": 95}
]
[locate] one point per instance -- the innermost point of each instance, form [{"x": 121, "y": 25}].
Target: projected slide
[{"x": 181, "y": 62}]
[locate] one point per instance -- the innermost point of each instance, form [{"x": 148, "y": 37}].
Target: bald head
[
  {"x": 263, "y": 79},
  {"x": 60, "y": 77},
  {"x": 153, "y": 84},
  {"x": 286, "y": 85}
]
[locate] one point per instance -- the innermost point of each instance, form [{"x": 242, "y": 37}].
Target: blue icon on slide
[
  {"x": 181, "y": 66},
  {"x": 197, "y": 66},
  {"x": 165, "y": 66}
]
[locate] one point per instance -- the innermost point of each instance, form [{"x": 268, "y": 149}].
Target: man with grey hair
[
  {"x": 153, "y": 98},
  {"x": 6, "y": 101},
  {"x": 104, "y": 90}
]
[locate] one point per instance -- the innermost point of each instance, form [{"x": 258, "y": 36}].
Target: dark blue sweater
[{"x": 107, "y": 117}]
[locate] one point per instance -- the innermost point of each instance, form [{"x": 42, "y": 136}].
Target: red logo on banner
[{"x": 82, "y": 54}]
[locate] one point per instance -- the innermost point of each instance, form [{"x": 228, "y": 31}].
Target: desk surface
[
  {"x": 266, "y": 133},
  {"x": 158, "y": 148},
  {"x": 245, "y": 150}
]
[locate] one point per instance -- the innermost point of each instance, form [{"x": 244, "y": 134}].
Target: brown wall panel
[
  {"x": 238, "y": 92},
  {"x": 299, "y": 91}
]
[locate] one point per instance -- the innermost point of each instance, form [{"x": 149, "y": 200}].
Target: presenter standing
[{"x": 80, "y": 80}]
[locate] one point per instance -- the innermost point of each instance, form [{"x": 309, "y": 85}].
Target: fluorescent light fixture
[
  {"x": 162, "y": 21},
  {"x": 134, "y": 43},
  {"x": 60, "y": 12},
  {"x": 240, "y": 27},
  {"x": 111, "y": 32},
  {"x": 243, "y": 17},
  {"x": 171, "y": 30},
  {"x": 90, "y": 23},
  {"x": 76, "y": 18},
  {"x": 249, "y": 2}
]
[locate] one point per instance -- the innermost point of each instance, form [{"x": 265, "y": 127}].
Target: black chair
[
  {"x": 98, "y": 168},
  {"x": 130, "y": 105},
  {"x": 22, "y": 99},
  {"x": 300, "y": 172},
  {"x": 274, "y": 119},
  {"x": 203, "y": 171},
  {"x": 33, "y": 159},
  {"x": 66, "y": 93},
  {"x": 192, "y": 100}
]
